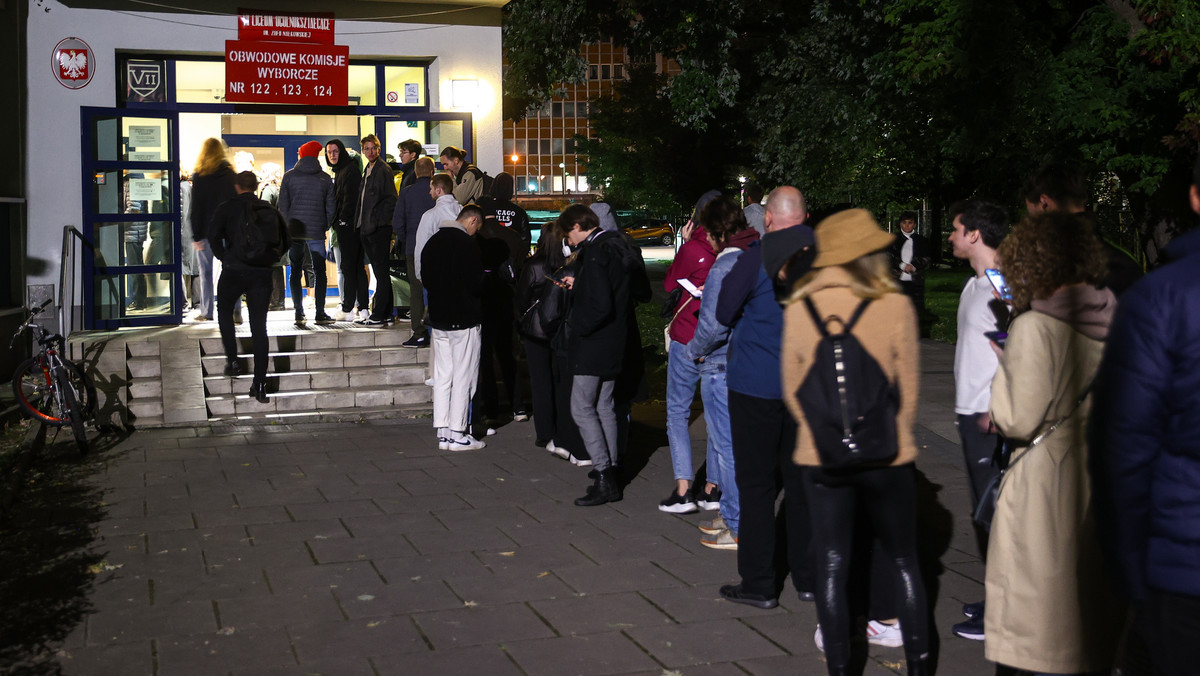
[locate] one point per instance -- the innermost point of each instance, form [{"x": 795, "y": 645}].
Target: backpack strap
[
  {"x": 857, "y": 313},
  {"x": 816, "y": 317}
]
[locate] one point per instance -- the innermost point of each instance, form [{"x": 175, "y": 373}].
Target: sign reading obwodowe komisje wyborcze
[{"x": 288, "y": 59}]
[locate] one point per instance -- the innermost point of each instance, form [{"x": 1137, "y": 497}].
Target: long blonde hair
[
  {"x": 213, "y": 155},
  {"x": 870, "y": 277}
]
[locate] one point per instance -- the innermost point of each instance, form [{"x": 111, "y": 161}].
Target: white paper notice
[
  {"x": 141, "y": 136},
  {"x": 412, "y": 92},
  {"x": 145, "y": 189},
  {"x": 431, "y": 149},
  {"x": 145, "y": 156}
]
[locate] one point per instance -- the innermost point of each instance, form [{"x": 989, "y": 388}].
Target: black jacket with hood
[
  {"x": 346, "y": 178},
  {"x": 601, "y": 326},
  {"x": 208, "y": 192}
]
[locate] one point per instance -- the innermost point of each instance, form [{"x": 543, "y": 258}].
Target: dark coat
[
  {"x": 347, "y": 176},
  {"x": 209, "y": 191},
  {"x": 610, "y": 279},
  {"x": 412, "y": 203},
  {"x": 1145, "y": 436},
  {"x": 378, "y": 199},
  {"x": 232, "y": 214},
  {"x": 452, "y": 272},
  {"x": 408, "y": 175},
  {"x": 306, "y": 195},
  {"x": 921, "y": 258}
]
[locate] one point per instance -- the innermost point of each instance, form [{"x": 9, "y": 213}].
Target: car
[{"x": 655, "y": 231}]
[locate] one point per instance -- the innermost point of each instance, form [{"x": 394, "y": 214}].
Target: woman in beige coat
[
  {"x": 1049, "y": 609},
  {"x": 852, "y": 273}
]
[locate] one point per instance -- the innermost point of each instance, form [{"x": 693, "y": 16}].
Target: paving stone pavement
[{"x": 359, "y": 548}]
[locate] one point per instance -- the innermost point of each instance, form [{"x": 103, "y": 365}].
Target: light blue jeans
[
  {"x": 715, "y": 394},
  {"x": 682, "y": 378}
]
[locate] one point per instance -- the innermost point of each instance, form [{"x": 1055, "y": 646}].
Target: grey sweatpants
[{"x": 595, "y": 414}]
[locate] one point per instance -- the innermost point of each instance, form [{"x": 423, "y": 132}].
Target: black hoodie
[{"x": 346, "y": 178}]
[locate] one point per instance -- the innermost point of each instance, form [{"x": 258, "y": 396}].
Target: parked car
[{"x": 655, "y": 231}]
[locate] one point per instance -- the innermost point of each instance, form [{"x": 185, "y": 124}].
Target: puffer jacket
[
  {"x": 1145, "y": 436},
  {"x": 306, "y": 195},
  {"x": 692, "y": 263}
]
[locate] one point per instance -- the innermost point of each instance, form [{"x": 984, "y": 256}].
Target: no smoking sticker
[{"x": 393, "y": 97}]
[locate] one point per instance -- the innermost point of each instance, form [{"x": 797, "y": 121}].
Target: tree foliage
[{"x": 884, "y": 102}]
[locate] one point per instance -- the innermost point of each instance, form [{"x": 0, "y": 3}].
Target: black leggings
[{"x": 889, "y": 496}]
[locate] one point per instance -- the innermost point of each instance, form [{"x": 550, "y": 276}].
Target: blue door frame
[{"x": 95, "y": 272}]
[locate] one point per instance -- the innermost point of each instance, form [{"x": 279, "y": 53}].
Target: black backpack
[
  {"x": 260, "y": 241},
  {"x": 847, "y": 400}
]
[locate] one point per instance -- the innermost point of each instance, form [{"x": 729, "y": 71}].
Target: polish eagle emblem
[{"x": 73, "y": 64}]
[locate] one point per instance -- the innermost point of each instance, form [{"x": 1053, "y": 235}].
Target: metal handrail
[{"x": 67, "y": 274}]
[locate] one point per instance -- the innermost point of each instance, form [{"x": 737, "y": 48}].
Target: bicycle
[{"x": 51, "y": 388}]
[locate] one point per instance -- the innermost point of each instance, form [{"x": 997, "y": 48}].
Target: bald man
[{"x": 763, "y": 431}]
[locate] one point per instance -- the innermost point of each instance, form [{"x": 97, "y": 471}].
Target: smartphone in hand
[
  {"x": 557, "y": 282},
  {"x": 999, "y": 284},
  {"x": 997, "y": 337}
]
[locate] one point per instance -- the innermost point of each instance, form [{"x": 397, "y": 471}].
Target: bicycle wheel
[
  {"x": 33, "y": 385},
  {"x": 85, "y": 389},
  {"x": 74, "y": 409}
]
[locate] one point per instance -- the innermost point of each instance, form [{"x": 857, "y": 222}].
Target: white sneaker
[
  {"x": 818, "y": 639},
  {"x": 886, "y": 635},
  {"x": 558, "y": 450},
  {"x": 429, "y": 382},
  {"x": 467, "y": 443},
  {"x": 443, "y": 444},
  {"x": 520, "y": 416},
  {"x": 310, "y": 302},
  {"x": 363, "y": 315},
  {"x": 491, "y": 432},
  {"x": 340, "y": 315},
  {"x": 580, "y": 462}
]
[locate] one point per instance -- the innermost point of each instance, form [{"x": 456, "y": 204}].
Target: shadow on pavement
[{"x": 45, "y": 543}]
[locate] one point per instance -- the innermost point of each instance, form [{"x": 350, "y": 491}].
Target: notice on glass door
[{"x": 145, "y": 189}]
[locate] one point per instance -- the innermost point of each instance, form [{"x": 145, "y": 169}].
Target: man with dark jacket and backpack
[
  {"x": 411, "y": 205},
  {"x": 248, "y": 235},
  {"x": 307, "y": 203},
  {"x": 376, "y": 203},
  {"x": 601, "y": 327},
  {"x": 469, "y": 180}
]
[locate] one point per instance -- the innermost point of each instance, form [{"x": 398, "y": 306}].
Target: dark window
[
  {"x": 581, "y": 109},
  {"x": 618, "y": 72},
  {"x": 558, "y": 109},
  {"x": 568, "y": 109},
  {"x": 557, "y": 146},
  {"x": 604, "y": 73},
  {"x": 591, "y": 72},
  {"x": 522, "y": 184},
  {"x": 569, "y": 146},
  {"x": 545, "y": 146},
  {"x": 521, "y": 146},
  {"x": 508, "y": 146}
]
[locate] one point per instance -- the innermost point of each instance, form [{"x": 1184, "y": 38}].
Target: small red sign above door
[
  {"x": 310, "y": 27},
  {"x": 277, "y": 72}
]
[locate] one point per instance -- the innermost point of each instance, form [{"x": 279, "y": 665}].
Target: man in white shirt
[
  {"x": 979, "y": 227},
  {"x": 755, "y": 212},
  {"x": 911, "y": 254}
]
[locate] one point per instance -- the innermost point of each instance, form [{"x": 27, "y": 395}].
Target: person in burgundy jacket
[{"x": 692, "y": 263}]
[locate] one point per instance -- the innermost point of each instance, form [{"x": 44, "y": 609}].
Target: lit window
[{"x": 557, "y": 146}]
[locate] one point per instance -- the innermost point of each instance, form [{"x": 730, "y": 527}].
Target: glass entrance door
[{"x": 131, "y": 218}]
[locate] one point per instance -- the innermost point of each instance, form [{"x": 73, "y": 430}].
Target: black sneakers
[
  {"x": 677, "y": 504},
  {"x": 414, "y": 341},
  {"x": 710, "y": 500},
  {"x": 972, "y": 628},
  {"x": 735, "y": 593}
]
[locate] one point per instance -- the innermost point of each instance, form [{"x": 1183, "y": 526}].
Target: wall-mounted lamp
[{"x": 464, "y": 94}]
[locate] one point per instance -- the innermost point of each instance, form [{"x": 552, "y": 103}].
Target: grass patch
[{"x": 943, "y": 285}]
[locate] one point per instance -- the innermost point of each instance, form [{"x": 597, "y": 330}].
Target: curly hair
[
  {"x": 1048, "y": 251},
  {"x": 722, "y": 218}
]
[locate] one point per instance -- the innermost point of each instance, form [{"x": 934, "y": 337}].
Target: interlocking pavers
[{"x": 297, "y": 538}]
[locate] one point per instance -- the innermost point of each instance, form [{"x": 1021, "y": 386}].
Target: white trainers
[
  {"x": 429, "y": 382},
  {"x": 878, "y": 633},
  {"x": 443, "y": 444},
  {"x": 558, "y": 450},
  {"x": 467, "y": 443},
  {"x": 310, "y": 302},
  {"x": 580, "y": 462},
  {"x": 491, "y": 432},
  {"x": 341, "y": 315},
  {"x": 886, "y": 635},
  {"x": 363, "y": 315}
]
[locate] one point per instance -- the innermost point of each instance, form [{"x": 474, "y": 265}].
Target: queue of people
[{"x": 804, "y": 341}]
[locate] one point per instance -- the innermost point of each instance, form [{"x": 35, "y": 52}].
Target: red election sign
[
  {"x": 311, "y": 27},
  {"x": 279, "y": 72}
]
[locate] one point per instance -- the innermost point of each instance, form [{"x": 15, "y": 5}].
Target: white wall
[{"x": 54, "y": 180}]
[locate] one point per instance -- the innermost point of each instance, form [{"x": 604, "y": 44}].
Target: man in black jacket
[
  {"x": 412, "y": 203},
  {"x": 352, "y": 278},
  {"x": 376, "y": 203},
  {"x": 239, "y": 277},
  {"x": 601, "y": 328},
  {"x": 452, "y": 269},
  {"x": 911, "y": 255}
]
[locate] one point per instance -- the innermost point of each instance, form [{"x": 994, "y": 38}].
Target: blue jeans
[
  {"x": 682, "y": 378},
  {"x": 715, "y": 395}
]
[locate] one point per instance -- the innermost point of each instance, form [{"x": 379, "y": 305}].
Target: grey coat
[{"x": 306, "y": 195}]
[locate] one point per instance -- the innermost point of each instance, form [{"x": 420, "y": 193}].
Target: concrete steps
[{"x": 175, "y": 375}]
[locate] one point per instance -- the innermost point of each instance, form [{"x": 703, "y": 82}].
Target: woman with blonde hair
[
  {"x": 212, "y": 184},
  {"x": 1049, "y": 605},
  {"x": 851, "y": 291}
]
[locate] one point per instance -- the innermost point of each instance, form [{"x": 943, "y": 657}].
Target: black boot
[
  {"x": 233, "y": 368},
  {"x": 258, "y": 390},
  {"x": 605, "y": 489}
]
